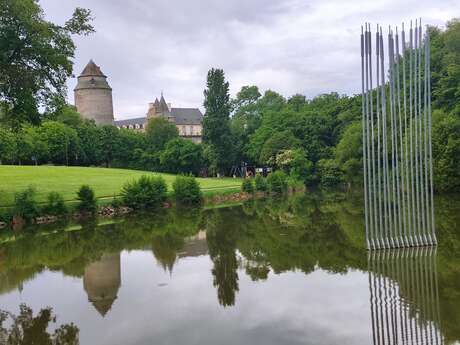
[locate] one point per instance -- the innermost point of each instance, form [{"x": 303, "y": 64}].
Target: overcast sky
[{"x": 290, "y": 46}]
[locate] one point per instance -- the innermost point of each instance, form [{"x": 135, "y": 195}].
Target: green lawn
[{"x": 67, "y": 180}]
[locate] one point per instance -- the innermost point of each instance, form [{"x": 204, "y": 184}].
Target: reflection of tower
[
  {"x": 101, "y": 281},
  {"x": 404, "y": 297}
]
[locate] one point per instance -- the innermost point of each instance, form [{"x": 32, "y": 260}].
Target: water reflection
[
  {"x": 101, "y": 281},
  {"x": 404, "y": 297},
  {"x": 220, "y": 263},
  {"x": 25, "y": 328}
]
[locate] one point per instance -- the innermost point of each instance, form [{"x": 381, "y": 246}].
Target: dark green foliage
[
  {"x": 446, "y": 151},
  {"x": 55, "y": 205},
  {"x": 87, "y": 200},
  {"x": 186, "y": 190},
  {"x": 158, "y": 132},
  {"x": 27, "y": 328},
  {"x": 35, "y": 58},
  {"x": 7, "y": 145},
  {"x": 260, "y": 183},
  {"x": 182, "y": 156},
  {"x": 216, "y": 122},
  {"x": 277, "y": 182},
  {"x": 329, "y": 173},
  {"x": 146, "y": 192},
  {"x": 25, "y": 205},
  {"x": 247, "y": 186}
]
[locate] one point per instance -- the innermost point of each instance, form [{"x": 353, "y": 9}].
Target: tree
[
  {"x": 158, "y": 132},
  {"x": 109, "y": 142},
  {"x": 182, "y": 156},
  {"x": 280, "y": 141},
  {"x": 349, "y": 152},
  {"x": 32, "y": 145},
  {"x": 26, "y": 328},
  {"x": 62, "y": 142},
  {"x": 216, "y": 123},
  {"x": 7, "y": 145},
  {"x": 446, "y": 151},
  {"x": 35, "y": 57}
]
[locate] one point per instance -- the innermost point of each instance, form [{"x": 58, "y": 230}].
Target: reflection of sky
[{"x": 156, "y": 307}]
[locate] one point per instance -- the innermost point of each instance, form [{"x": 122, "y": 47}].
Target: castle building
[
  {"x": 93, "y": 95},
  {"x": 93, "y": 99},
  {"x": 189, "y": 121}
]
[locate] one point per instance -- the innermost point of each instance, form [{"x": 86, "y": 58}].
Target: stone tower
[{"x": 93, "y": 95}]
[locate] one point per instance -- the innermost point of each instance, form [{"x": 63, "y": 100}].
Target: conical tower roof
[
  {"x": 157, "y": 102},
  {"x": 92, "y": 70},
  {"x": 163, "y": 105}
]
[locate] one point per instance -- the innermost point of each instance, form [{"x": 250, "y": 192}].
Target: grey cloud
[{"x": 305, "y": 46}]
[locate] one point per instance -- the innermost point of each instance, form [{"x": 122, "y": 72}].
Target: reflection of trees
[
  {"x": 221, "y": 234},
  {"x": 70, "y": 252},
  {"x": 25, "y": 328}
]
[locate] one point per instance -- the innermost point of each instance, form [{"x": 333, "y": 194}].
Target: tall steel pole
[{"x": 364, "y": 122}]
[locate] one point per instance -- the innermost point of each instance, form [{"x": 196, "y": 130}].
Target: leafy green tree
[
  {"x": 69, "y": 116},
  {"x": 216, "y": 123},
  {"x": 61, "y": 140},
  {"x": 130, "y": 147},
  {"x": 90, "y": 152},
  {"x": 446, "y": 151},
  {"x": 182, "y": 156},
  {"x": 245, "y": 120},
  {"x": 7, "y": 145},
  {"x": 278, "y": 142},
  {"x": 158, "y": 132},
  {"x": 35, "y": 57},
  {"x": 329, "y": 173},
  {"x": 296, "y": 102},
  {"x": 445, "y": 62},
  {"x": 109, "y": 143},
  {"x": 349, "y": 152},
  {"x": 296, "y": 164}
]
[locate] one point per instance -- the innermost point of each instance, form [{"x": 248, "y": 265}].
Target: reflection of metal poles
[
  {"x": 403, "y": 312},
  {"x": 397, "y": 154}
]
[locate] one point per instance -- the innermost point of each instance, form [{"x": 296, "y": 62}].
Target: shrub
[
  {"x": 87, "y": 200},
  {"x": 146, "y": 192},
  {"x": 277, "y": 182},
  {"x": 55, "y": 205},
  {"x": 5, "y": 216},
  {"x": 186, "y": 190},
  {"x": 25, "y": 205},
  {"x": 260, "y": 183},
  {"x": 329, "y": 172},
  {"x": 247, "y": 186}
]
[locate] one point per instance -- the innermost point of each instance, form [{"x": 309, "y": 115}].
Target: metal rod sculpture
[
  {"x": 404, "y": 300},
  {"x": 396, "y": 130}
]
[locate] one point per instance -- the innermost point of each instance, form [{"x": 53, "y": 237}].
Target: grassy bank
[{"x": 106, "y": 183}]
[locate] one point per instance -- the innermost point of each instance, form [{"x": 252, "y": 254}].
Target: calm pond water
[{"x": 290, "y": 271}]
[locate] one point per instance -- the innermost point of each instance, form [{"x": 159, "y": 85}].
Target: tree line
[{"x": 316, "y": 141}]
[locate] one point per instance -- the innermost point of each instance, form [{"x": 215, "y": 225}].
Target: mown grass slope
[{"x": 106, "y": 183}]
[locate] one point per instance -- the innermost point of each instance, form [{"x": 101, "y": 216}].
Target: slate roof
[
  {"x": 187, "y": 116},
  {"x": 133, "y": 121},
  {"x": 92, "y": 70},
  {"x": 182, "y": 116}
]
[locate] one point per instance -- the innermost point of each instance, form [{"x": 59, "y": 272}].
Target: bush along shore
[{"x": 148, "y": 193}]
